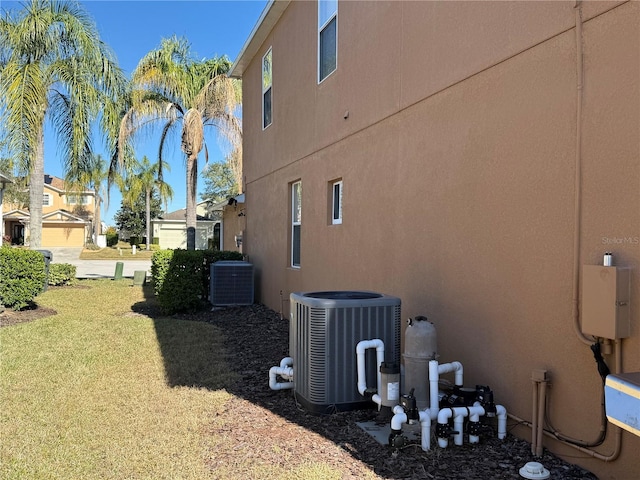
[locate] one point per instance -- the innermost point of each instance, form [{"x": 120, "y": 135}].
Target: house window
[
  {"x": 77, "y": 199},
  {"x": 336, "y": 204},
  {"x": 327, "y": 33},
  {"x": 46, "y": 200},
  {"x": 296, "y": 222},
  {"x": 266, "y": 89}
]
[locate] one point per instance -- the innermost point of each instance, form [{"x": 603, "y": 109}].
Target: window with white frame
[
  {"x": 266, "y": 89},
  {"x": 336, "y": 204},
  {"x": 47, "y": 201},
  {"x": 78, "y": 199},
  {"x": 327, "y": 38},
  {"x": 296, "y": 222}
]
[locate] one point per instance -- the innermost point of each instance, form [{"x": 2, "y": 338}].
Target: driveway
[{"x": 96, "y": 268}]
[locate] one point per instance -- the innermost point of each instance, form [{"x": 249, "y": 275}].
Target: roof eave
[{"x": 268, "y": 18}]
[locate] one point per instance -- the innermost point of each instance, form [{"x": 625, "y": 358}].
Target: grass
[
  {"x": 85, "y": 394},
  {"x": 113, "y": 253}
]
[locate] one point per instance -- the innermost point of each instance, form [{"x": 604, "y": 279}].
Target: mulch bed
[{"x": 271, "y": 428}]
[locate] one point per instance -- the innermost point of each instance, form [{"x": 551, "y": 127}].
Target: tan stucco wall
[
  {"x": 458, "y": 159},
  {"x": 233, "y": 224}
]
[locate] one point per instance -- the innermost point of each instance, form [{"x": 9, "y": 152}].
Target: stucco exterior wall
[{"x": 459, "y": 158}]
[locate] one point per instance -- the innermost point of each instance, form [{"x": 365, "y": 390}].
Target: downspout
[{"x": 578, "y": 178}]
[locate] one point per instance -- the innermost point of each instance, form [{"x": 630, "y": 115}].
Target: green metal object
[
  {"x": 139, "y": 277},
  {"x": 118, "y": 274}
]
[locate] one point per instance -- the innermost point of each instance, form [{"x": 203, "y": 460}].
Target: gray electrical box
[{"x": 605, "y": 301}]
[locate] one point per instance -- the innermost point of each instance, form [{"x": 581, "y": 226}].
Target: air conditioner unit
[
  {"x": 231, "y": 283},
  {"x": 324, "y": 329}
]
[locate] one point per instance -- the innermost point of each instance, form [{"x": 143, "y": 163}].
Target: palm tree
[
  {"x": 92, "y": 175},
  {"x": 179, "y": 92},
  {"x": 143, "y": 180},
  {"x": 53, "y": 66}
]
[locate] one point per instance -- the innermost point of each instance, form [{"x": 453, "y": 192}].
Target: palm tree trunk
[
  {"x": 192, "y": 184},
  {"x": 97, "y": 221},
  {"x": 36, "y": 193},
  {"x": 148, "y": 214}
]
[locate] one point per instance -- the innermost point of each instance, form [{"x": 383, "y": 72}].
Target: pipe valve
[
  {"x": 396, "y": 439},
  {"x": 485, "y": 397},
  {"x": 408, "y": 403}
]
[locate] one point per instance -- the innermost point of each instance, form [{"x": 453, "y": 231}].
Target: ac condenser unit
[
  {"x": 324, "y": 329},
  {"x": 231, "y": 283}
]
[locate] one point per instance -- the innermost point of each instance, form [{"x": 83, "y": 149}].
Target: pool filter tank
[{"x": 420, "y": 346}]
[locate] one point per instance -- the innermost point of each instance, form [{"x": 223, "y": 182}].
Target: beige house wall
[{"x": 459, "y": 157}]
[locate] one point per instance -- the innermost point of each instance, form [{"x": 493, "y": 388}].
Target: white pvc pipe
[
  {"x": 433, "y": 386},
  {"x": 285, "y": 370},
  {"x": 361, "y": 347},
  {"x": 502, "y": 421},
  {"x": 458, "y": 414},
  {"x": 425, "y": 424},
  {"x": 398, "y": 419},
  {"x": 453, "y": 367}
]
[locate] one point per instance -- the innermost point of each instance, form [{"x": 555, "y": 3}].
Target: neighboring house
[
  {"x": 467, "y": 157},
  {"x": 66, "y": 216},
  {"x": 171, "y": 228},
  {"x": 233, "y": 215}
]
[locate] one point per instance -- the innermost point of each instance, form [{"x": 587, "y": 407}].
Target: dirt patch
[
  {"x": 270, "y": 427},
  {"x": 33, "y": 312}
]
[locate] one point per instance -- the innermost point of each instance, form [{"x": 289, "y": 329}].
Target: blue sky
[{"x": 132, "y": 29}]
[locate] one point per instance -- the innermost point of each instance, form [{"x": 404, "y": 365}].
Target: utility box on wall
[{"x": 605, "y": 301}]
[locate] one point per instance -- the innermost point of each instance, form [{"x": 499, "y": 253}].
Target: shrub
[
  {"x": 177, "y": 273},
  {"x": 112, "y": 238},
  {"x": 62, "y": 274},
  {"x": 22, "y": 278}
]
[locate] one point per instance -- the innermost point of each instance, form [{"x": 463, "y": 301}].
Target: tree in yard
[
  {"x": 219, "y": 182},
  {"x": 143, "y": 181},
  {"x": 170, "y": 87},
  {"x": 131, "y": 217},
  {"x": 92, "y": 175},
  {"x": 53, "y": 66}
]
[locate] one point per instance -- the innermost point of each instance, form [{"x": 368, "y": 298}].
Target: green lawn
[
  {"x": 83, "y": 393},
  {"x": 112, "y": 253}
]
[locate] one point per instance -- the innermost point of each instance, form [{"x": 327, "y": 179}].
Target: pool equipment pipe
[
  {"x": 285, "y": 370},
  {"x": 361, "y": 348}
]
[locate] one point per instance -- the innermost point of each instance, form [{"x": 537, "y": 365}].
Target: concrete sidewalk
[{"x": 96, "y": 268}]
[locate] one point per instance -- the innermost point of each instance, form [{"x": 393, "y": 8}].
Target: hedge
[
  {"x": 22, "y": 276},
  {"x": 181, "y": 277},
  {"x": 62, "y": 274}
]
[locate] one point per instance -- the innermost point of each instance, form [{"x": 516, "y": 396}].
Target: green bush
[
  {"x": 152, "y": 247},
  {"x": 22, "y": 276},
  {"x": 175, "y": 273},
  {"x": 112, "y": 238},
  {"x": 62, "y": 274}
]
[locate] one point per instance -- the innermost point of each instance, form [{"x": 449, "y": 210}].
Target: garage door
[
  {"x": 177, "y": 238},
  {"x": 63, "y": 235},
  {"x": 173, "y": 238}
]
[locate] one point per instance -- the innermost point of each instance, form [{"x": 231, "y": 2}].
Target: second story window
[
  {"x": 327, "y": 38},
  {"x": 266, "y": 89},
  {"x": 46, "y": 200},
  {"x": 77, "y": 200}
]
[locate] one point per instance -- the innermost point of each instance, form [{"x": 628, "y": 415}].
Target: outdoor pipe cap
[{"x": 534, "y": 471}]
